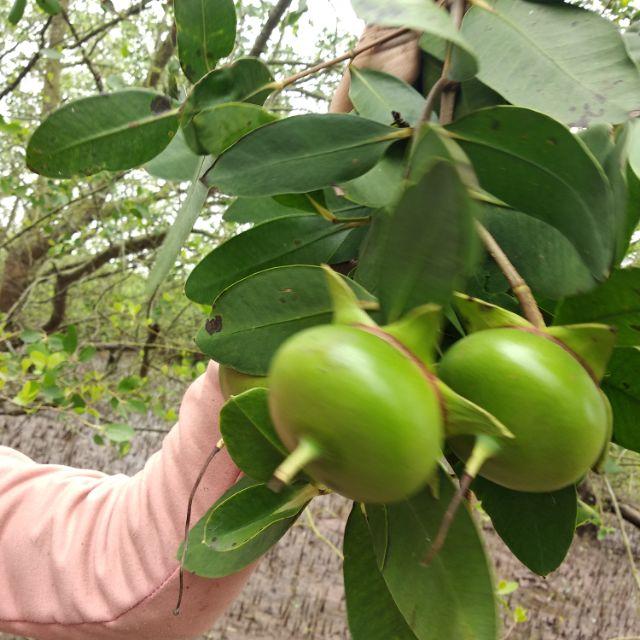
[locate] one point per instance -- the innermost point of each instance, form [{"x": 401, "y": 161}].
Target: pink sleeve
[{"x": 86, "y": 555}]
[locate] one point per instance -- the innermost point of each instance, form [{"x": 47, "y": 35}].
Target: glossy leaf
[
  {"x": 249, "y": 434},
  {"x": 253, "y": 317},
  {"x": 242, "y": 81},
  {"x": 204, "y": 561},
  {"x": 622, "y": 386},
  {"x": 543, "y": 56},
  {"x": 241, "y": 519},
  {"x": 452, "y": 597},
  {"x": 375, "y": 95},
  {"x": 537, "y": 166},
  {"x": 371, "y": 611},
  {"x": 616, "y": 303},
  {"x": 257, "y": 210},
  {"x": 217, "y": 128},
  {"x": 425, "y": 245},
  {"x": 545, "y": 258},
  {"x": 382, "y": 185},
  {"x": 206, "y": 32},
  {"x": 290, "y": 240},
  {"x": 110, "y": 132},
  {"x": 176, "y": 163},
  {"x": 537, "y": 527},
  {"x": 301, "y": 154},
  {"x": 424, "y": 16}
]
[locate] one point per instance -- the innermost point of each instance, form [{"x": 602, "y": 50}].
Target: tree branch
[
  {"x": 30, "y": 64},
  {"x": 517, "y": 283},
  {"x": 275, "y": 15},
  {"x": 161, "y": 57},
  {"x": 64, "y": 281},
  {"x": 85, "y": 58}
]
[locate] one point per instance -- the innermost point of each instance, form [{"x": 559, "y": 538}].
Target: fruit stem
[
  {"x": 485, "y": 447},
  {"x": 303, "y": 454},
  {"x": 517, "y": 283}
]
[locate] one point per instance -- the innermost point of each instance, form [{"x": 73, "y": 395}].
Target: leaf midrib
[{"x": 109, "y": 132}]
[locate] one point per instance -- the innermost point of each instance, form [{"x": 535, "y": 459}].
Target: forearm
[{"x": 83, "y": 554}]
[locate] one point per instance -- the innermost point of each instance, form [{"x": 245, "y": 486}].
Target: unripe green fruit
[
  {"x": 542, "y": 394},
  {"x": 365, "y": 405},
  {"x": 232, "y": 382}
]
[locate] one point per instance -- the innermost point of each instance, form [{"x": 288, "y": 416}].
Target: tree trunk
[{"x": 28, "y": 253}]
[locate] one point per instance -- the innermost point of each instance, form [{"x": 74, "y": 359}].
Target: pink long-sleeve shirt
[{"x": 84, "y": 555}]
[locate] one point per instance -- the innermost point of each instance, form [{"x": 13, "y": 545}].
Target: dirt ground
[{"x": 297, "y": 594}]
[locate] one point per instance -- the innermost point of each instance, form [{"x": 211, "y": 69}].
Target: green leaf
[
  {"x": 290, "y": 240},
  {"x": 250, "y": 436},
  {"x": 257, "y": 210},
  {"x": 17, "y": 11},
  {"x": 118, "y": 433},
  {"x": 451, "y": 598},
  {"x": 86, "y": 353},
  {"x": 206, "y": 32},
  {"x": 301, "y": 154},
  {"x": 110, "y": 132},
  {"x": 176, "y": 163},
  {"x": 425, "y": 245},
  {"x": 545, "y": 258},
  {"x": 424, "y": 16},
  {"x": 537, "y": 527},
  {"x": 474, "y": 95},
  {"x": 381, "y": 186},
  {"x": 204, "y": 561},
  {"x": 616, "y": 302},
  {"x": 239, "y": 520},
  {"x": 537, "y": 166},
  {"x": 622, "y": 386},
  {"x": 372, "y": 613},
  {"x": 253, "y": 317},
  {"x": 27, "y": 394},
  {"x": 70, "y": 339},
  {"x": 216, "y": 128},
  {"x": 631, "y": 38},
  {"x": 246, "y": 80},
  {"x": 615, "y": 164},
  {"x": 376, "y": 94},
  {"x": 528, "y": 53},
  {"x": 180, "y": 230},
  {"x": 50, "y": 7},
  {"x": 28, "y": 336}
]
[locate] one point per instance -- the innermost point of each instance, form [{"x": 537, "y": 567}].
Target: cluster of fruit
[{"x": 367, "y": 411}]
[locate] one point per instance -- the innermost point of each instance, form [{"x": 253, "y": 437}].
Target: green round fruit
[
  {"x": 542, "y": 394},
  {"x": 365, "y": 405},
  {"x": 233, "y": 382}
]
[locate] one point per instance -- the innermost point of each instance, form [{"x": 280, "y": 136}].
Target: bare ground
[{"x": 297, "y": 594}]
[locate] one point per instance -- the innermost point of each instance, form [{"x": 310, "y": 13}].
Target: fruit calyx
[{"x": 590, "y": 344}]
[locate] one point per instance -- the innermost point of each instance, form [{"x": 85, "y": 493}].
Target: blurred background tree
[{"x": 79, "y": 337}]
